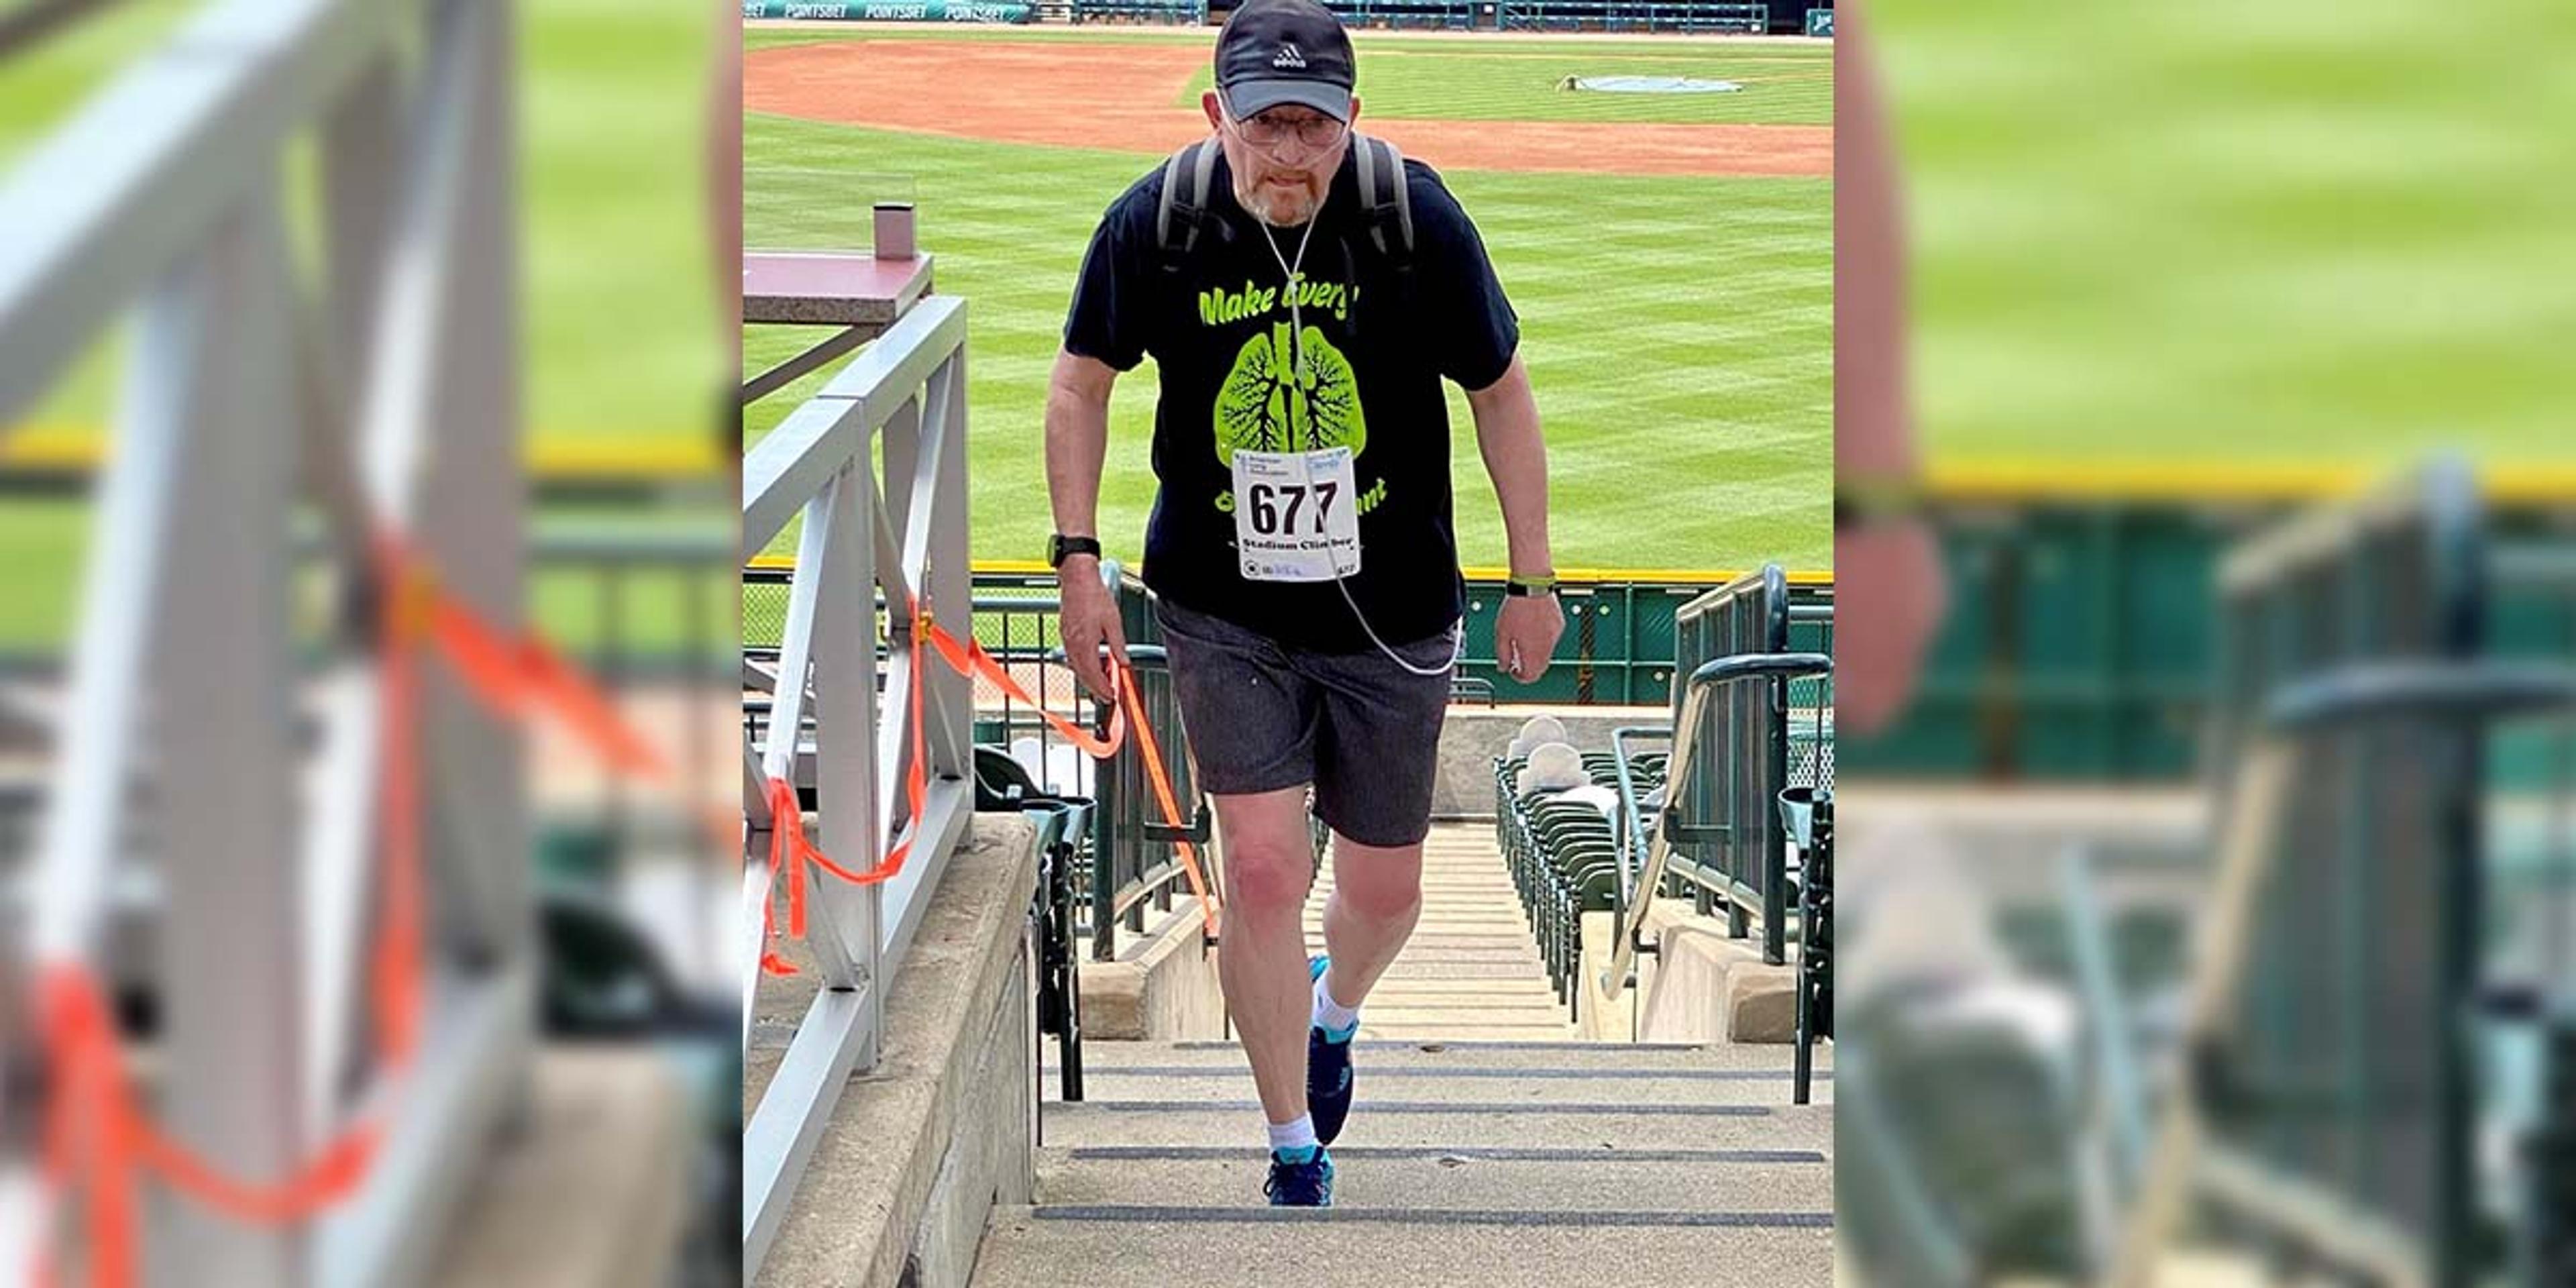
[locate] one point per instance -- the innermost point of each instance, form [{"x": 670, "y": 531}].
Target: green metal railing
[
  {"x": 1617, "y": 648},
  {"x": 1619, "y": 641},
  {"x": 1728, "y": 841}
]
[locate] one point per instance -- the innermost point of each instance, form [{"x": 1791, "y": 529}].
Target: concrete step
[
  {"x": 1459, "y": 1000},
  {"x": 1573, "y": 1180},
  {"x": 1459, "y": 863},
  {"x": 1434, "y": 938},
  {"x": 1533, "y": 986},
  {"x": 1464, "y": 881},
  {"x": 1482, "y": 893},
  {"x": 1433, "y": 930},
  {"x": 1515, "y": 968},
  {"x": 1607, "y": 1122},
  {"x": 1145, "y": 1247},
  {"x": 1448, "y": 934},
  {"x": 1613, "y": 1059},
  {"x": 1398, "y": 1012},
  {"x": 1518, "y": 1000},
  {"x": 1495, "y": 896},
  {"x": 1434, "y": 933},
  {"x": 1452, "y": 954},
  {"x": 1454, "y": 1084},
  {"x": 1453, "y": 1011},
  {"x": 1491, "y": 966},
  {"x": 1478, "y": 915},
  {"x": 1497, "y": 904},
  {"x": 1479, "y": 1030},
  {"x": 1436, "y": 942}
]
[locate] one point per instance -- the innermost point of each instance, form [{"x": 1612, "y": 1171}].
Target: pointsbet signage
[{"x": 891, "y": 10}]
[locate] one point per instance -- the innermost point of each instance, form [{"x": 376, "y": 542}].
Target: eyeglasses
[{"x": 1317, "y": 133}]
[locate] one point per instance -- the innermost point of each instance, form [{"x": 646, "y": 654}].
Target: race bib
[{"x": 1296, "y": 515}]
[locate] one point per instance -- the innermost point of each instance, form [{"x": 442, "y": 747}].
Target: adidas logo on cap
[{"x": 1289, "y": 57}]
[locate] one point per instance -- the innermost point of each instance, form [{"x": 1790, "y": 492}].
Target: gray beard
[{"x": 1260, "y": 210}]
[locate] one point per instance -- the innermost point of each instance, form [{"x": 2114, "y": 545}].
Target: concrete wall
[
  {"x": 921, "y": 1147},
  {"x": 1162, "y": 988},
  {"x": 1701, "y": 985}
]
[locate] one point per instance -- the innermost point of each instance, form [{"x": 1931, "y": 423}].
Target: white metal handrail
[
  {"x": 164, "y": 194},
  {"x": 908, "y": 537}
]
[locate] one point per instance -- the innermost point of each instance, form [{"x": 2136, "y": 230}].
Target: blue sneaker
[
  {"x": 1328, "y": 1069},
  {"x": 1304, "y": 1183}
]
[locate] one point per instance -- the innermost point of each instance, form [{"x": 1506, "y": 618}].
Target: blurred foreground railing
[
  {"x": 2370, "y": 1027},
  {"x": 247, "y": 393}
]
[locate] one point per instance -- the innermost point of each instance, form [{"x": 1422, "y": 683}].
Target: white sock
[
  {"x": 1291, "y": 1136},
  {"x": 1332, "y": 1016}
]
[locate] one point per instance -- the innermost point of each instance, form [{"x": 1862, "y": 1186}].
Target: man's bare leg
[
  {"x": 1376, "y": 899},
  {"x": 1269, "y": 868}
]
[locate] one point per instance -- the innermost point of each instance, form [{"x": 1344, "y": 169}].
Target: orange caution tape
[
  {"x": 522, "y": 678},
  {"x": 1154, "y": 773},
  {"x": 969, "y": 658},
  {"x": 790, "y": 851},
  {"x": 98, "y": 1135},
  {"x": 514, "y": 677}
]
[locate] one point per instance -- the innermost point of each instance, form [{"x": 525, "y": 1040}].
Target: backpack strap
[
  {"x": 1388, "y": 197},
  {"x": 1183, "y": 211}
]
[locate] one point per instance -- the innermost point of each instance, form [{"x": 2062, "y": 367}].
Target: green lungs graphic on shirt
[{"x": 1266, "y": 406}]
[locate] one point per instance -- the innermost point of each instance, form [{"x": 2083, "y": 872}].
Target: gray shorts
[{"x": 1363, "y": 730}]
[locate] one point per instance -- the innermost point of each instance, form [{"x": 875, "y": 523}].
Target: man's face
[{"x": 1283, "y": 158}]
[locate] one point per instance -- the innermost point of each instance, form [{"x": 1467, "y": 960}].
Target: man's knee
[
  {"x": 1382, "y": 885},
  {"x": 1268, "y": 874}
]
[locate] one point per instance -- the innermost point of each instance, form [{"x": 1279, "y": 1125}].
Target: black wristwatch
[
  {"x": 1061, "y": 547},
  {"x": 1529, "y": 587}
]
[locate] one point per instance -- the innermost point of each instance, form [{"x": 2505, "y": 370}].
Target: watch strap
[{"x": 1061, "y": 547}]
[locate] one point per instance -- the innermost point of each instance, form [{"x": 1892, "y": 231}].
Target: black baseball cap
[{"x": 1285, "y": 51}]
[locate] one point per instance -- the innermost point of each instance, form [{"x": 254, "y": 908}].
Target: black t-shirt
[{"x": 1376, "y": 348}]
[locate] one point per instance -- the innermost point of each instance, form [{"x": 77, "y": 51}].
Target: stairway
[
  {"x": 1485, "y": 1163},
  {"x": 1472, "y": 969}
]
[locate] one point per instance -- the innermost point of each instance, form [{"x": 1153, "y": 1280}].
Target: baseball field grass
[
  {"x": 1677, "y": 328},
  {"x": 2235, "y": 235}
]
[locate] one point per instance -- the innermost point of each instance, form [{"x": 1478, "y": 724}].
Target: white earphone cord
[{"x": 1297, "y": 346}]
